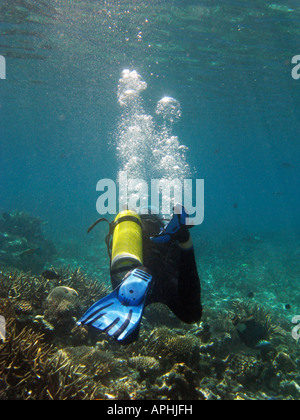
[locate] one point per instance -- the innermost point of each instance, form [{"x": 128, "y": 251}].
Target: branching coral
[
  {"x": 145, "y": 364},
  {"x": 19, "y": 286},
  {"x": 56, "y": 318},
  {"x": 99, "y": 364},
  {"x": 21, "y": 358},
  {"x": 66, "y": 382},
  {"x": 89, "y": 290},
  {"x": 165, "y": 343},
  {"x": 30, "y": 369},
  {"x": 246, "y": 369}
]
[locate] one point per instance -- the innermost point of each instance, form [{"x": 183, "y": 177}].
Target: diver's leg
[
  {"x": 188, "y": 244},
  {"x": 184, "y": 293},
  {"x": 187, "y": 305}
]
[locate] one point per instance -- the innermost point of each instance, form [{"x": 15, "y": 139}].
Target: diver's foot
[
  {"x": 176, "y": 229},
  {"x": 119, "y": 314}
]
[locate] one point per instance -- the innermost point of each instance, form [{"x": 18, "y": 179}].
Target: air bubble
[{"x": 169, "y": 109}]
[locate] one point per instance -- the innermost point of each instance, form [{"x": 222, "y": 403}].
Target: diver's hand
[{"x": 176, "y": 229}]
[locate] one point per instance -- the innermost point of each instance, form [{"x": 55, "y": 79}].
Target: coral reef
[
  {"x": 46, "y": 356},
  {"x": 36, "y": 306},
  {"x": 259, "y": 318},
  {"x": 172, "y": 346},
  {"x": 242, "y": 350},
  {"x": 31, "y": 370}
]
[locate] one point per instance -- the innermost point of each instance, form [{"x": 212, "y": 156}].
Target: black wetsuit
[{"x": 176, "y": 281}]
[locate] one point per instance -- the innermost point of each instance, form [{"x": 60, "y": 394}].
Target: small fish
[
  {"x": 279, "y": 194},
  {"x": 50, "y": 275},
  {"x": 263, "y": 345},
  {"x": 286, "y": 165},
  {"x": 252, "y": 239},
  {"x": 250, "y": 295},
  {"x": 288, "y": 307},
  {"x": 29, "y": 251},
  {"x": 235, "y": 206}
]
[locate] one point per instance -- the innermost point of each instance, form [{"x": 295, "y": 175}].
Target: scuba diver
[{"x": 150, "y": 263}]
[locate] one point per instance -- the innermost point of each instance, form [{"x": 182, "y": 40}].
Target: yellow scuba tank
[{"x": 127, "y": 245}]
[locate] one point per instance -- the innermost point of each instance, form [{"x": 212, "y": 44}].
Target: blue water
[{"x": 229, "y": 64}]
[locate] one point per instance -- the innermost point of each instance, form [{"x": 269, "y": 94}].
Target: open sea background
[
  {"x": 62, "y": 129},
  {"x": 229, "y": 66}
]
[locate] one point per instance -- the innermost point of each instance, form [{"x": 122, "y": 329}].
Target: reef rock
[
  {"x": 290, "y": 388},
  {"x": 62, "y": 292},
  {"x": 284, "y": 363}
]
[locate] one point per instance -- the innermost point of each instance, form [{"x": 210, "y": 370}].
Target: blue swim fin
[
  {"x": 119, "y": 314},
  {"x": 176, "y": 229}
]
